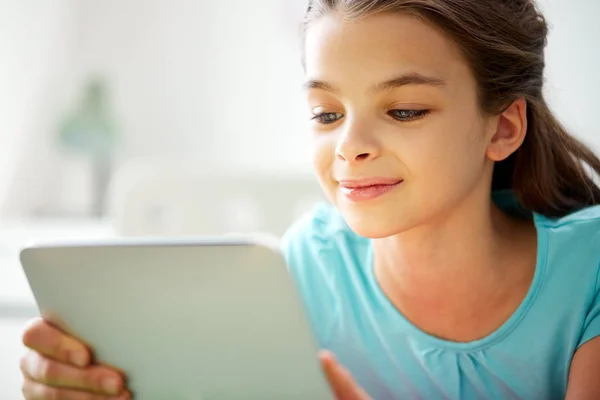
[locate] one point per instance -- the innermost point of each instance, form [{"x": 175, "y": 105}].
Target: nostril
[{"x": 362, "y": 156}]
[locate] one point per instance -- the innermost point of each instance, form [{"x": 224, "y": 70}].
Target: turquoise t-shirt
[{"x": 526, "y": 358}]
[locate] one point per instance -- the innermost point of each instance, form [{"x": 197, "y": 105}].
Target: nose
[{"x": 355, "y": 145}]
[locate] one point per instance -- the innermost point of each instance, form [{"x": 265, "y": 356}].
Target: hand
[
  {"x": 59, "y": 367},
  {"x": 343, "y": 385}
]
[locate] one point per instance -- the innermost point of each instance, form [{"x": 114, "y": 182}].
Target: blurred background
[{"x": 179, "y": 117}]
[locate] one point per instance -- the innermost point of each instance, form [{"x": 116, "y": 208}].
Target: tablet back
[{"x": 209, "y": 319}]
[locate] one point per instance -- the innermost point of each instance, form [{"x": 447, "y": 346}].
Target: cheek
[{"x": 449, "y": 160}]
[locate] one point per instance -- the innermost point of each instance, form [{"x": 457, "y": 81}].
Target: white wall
[
  {"x": 573, "y": 61},
  {"x": 35, "y": 48},
  {"x": 219, "y": 80},
  {"x": 12, "y": 350},
  {"x": 221, "y": 76},
  {"x": 214, "y": 81}
]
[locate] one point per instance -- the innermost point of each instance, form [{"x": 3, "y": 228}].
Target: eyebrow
[{"x": 400, "y": 81}]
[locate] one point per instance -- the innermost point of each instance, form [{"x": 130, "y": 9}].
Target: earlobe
[{"x": 510, "y": 131}]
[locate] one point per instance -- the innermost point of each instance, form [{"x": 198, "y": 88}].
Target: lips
[{"x": 367, "y": 189}]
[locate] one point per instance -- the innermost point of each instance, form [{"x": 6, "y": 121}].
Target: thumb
[{"x": 340, "y": 380}]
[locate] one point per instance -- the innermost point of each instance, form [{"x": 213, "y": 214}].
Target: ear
[{"x": 509, "y": 133}]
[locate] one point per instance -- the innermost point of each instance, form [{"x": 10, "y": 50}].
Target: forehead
[{"x": 374, "y": 48}]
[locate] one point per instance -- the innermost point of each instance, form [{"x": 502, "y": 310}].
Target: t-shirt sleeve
[
  {"x": 591, "y": 328},
  {"x": 307, "y": 248}
]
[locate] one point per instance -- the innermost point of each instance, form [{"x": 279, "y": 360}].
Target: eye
[
  {"x": 407, "y": 115},
  {"x": 327, "y": 118}
]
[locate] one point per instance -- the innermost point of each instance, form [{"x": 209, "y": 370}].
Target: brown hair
[{"x": 504, "y": 42}]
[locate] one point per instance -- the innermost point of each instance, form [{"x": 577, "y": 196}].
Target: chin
[{"x": 374, "y": 225}]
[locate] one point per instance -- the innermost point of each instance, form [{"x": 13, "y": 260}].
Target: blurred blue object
[{"x": 91, "y": 130}]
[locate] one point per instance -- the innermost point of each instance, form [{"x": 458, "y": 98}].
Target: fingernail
[
  {"x": 111, "y": 385},
  {"x": 78, "y": 358}
]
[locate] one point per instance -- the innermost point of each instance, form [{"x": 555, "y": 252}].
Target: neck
[{"x": 473, "y": 241}]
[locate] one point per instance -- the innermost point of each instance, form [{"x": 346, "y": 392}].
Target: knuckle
[
  {"x": 57, "y": 346},
  {"x": 87, "y": 379},
  {"x": 63, "y": 347},
  {"x": 25, "y": 389},
  {"x": 35, "y": 391},
  {"x": 30, "y": 332},
  {"x": 51, "y": 394},
  {"x": 57, "y": 349},
  {"x": 40, "y": 336},
  {"x": 95, "y": 378},
  {"x": 27, "y": 361},
  {"x": 45, "y": 369},
  {"x": 90, "y": 396},
  {"x": 23, "y": 362}
]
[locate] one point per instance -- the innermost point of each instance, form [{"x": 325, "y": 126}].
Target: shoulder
[
  {"x": 579, "y": 229},
  {"x": 572, "y": 251},
  {"x": 321, "y": 231},
  {"x": 573, "y": 240},
  {"x": 588, "y": 216},
  {"x": 320, "y": 249}
]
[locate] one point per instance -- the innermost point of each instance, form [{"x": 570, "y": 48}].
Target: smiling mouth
[{"x": 367, "y": 189}]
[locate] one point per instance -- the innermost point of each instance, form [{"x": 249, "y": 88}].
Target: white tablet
[{"x": 207, "y": 319}]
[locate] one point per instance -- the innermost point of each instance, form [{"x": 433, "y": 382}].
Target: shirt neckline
[{"x": 397, "y": 319}]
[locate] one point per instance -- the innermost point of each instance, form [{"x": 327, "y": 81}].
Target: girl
[{"x": 461, "y": 256}]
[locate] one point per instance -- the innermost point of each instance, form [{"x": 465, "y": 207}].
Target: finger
[
  {"x": 37, "y": 391},
  {"x": 95, "y": 379},
  {"x": 343, "y": 385},
  {"x": 338, "y": 379},
  {"x": 53, "y": 343}
]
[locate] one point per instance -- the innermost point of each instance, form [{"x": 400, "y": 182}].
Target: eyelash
[
  {"x": 320, "y": 118},
  {"x": 412, "y": 114},
  {"x": 398, "y": 115}
]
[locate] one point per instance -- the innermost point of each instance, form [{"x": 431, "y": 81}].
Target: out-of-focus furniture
[{"x": 154, "y": 198}]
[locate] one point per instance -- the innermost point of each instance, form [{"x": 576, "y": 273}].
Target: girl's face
[{"x": 399, "y": 139}]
